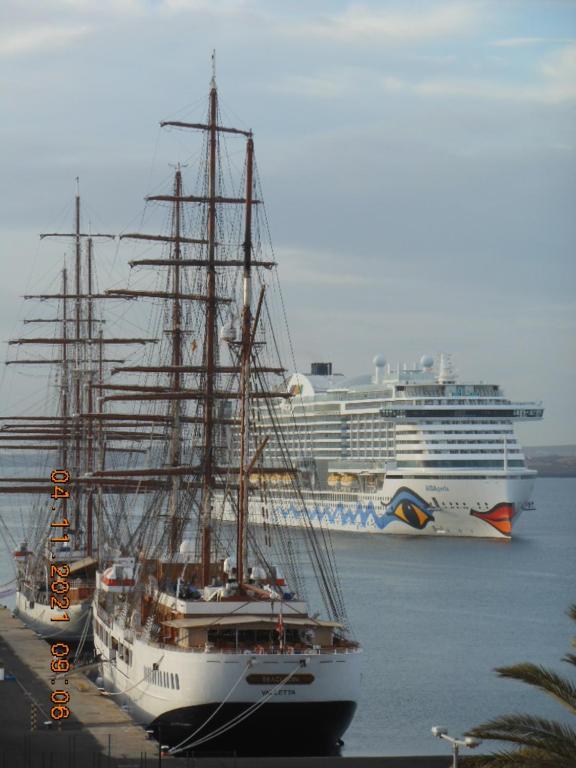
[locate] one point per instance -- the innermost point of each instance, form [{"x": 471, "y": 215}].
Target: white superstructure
[
  {"x": 219, "y": 668},
  {"x": 409, "y": 450}
]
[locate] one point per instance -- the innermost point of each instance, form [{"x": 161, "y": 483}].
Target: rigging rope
[{"x": 242, "y": 716}]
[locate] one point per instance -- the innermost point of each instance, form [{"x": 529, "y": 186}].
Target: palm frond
[
  {"x": 572, "y": 612},
  {"x": 520, "y": 758},
  {"x": 534, "y": 732},
  {"x": 570, "y": 658},
  {"x": 548, "y": 681}
]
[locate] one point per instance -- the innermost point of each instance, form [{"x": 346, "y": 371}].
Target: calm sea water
[{"x": 435, "y": 616}]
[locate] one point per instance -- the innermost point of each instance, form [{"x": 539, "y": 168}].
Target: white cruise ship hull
[
  {"x": 174, "y": 692},
  {"x": 484, "y": 507}
]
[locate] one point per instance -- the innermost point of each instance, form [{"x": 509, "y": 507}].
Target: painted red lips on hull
[{"x": 499, "y": 517}]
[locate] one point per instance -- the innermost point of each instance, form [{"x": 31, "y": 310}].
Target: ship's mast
[
  {"x": 90, "y": 405},
  {"x": 77, "y": 336},
  {"x": 176, "y": 340},
  {"x": 64, "y": 382},
  {"x": 245, "y": 355},
  {"x": 210, "y": 344}
]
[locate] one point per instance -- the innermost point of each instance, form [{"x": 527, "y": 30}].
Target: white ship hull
[
  {"x": 485, "y": 507},
  {"x": 38, "y": 617},
  {"x": 174, "y": 692}
]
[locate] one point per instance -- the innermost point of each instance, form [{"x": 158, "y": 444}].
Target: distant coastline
[
  {"x": 548, "y": 460},
  {"x": 552, "y": 460}
]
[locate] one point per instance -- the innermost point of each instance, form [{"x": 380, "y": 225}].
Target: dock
[{"x": 99, "y": 734}]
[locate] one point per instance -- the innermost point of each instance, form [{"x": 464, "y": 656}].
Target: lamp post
[{"x": 467, "y": 741}]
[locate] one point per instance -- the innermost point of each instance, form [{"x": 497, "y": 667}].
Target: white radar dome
[
  {"x": 379, "y": 361},
  {"x": 426, "y": 361},
  {"x": 186, "y": 547}
]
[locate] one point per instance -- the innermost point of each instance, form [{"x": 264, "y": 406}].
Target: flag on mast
[{"x": 280, "y": 628}]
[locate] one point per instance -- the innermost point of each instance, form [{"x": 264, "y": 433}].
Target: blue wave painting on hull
[{"x": 406, "y": 506}]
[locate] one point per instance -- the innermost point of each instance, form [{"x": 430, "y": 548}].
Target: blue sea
[{"x": 436, "y": 616}]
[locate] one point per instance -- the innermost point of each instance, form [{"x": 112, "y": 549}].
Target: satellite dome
[
  {"x": 426, "y": 361},
  {"x": 187, "y": 547},
  {"x": 379, "y": 361}
]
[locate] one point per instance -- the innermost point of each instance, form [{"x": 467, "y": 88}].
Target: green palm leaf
[
  {"x": 548, "y": 681},
  {"x": 540, "y": 743},
  {"x": 529, "y": 731},
  {"x": 521, "y": 758}
]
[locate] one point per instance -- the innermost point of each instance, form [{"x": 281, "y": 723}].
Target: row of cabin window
[
  {"x": 165, "y": 679},
  {"x": 123, "y": 652}
]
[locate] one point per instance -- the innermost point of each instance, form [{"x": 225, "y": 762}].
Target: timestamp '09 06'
[{"x": 60, "y": 665}]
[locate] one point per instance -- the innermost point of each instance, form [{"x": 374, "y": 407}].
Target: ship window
[
  {"x": 177, "y": 682},
  {"x": 171, "y": 680}
]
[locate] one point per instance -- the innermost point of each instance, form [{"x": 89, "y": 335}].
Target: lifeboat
[
  {"x": 333, "y": 480},
  {"x": 347, "y": 480}
]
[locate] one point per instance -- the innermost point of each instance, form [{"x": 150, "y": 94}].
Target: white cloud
[
  {"x": 517, "y": 42},
  {"x": 557, "y": 83},
  {"x": 315, "y": 268},
  {"x": 212, "y": 7},
  {"x": 546, "y": 93},
  {"x": 313, "y": 87},
  {"x": 101, "y": 6},
  {"x": 360, "y": 23},
  {"x": 43, "y": 37}
]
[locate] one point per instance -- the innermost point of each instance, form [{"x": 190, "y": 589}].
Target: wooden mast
[
  {"x": 64, "y": 384},
  {"x": 77, "y": 404},
  {"x": 176, "y": 340},
  {"x": 245, "y": 355},
  {"x": 90, "y": 407},
  {"x": 210, "y": 344}
]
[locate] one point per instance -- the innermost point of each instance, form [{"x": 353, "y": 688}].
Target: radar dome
[
  {"x": 379, "y": 361},
  {"x": 187, "y": 547},
  {"x": 426, "y": 361}
]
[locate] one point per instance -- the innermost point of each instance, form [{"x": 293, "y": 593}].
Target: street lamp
[{"x": 467, "y": 741}]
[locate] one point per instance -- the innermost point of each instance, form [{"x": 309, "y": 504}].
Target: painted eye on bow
[{"x": 410, "y": 508}]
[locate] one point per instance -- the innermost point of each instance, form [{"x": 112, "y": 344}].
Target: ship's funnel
[{"x": 321, "y": 369}]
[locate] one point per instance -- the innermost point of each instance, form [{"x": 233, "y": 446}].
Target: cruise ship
[{"x": 408, "y": 450}]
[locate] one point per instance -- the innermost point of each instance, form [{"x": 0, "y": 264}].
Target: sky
[{"x": 417, "y": 160}]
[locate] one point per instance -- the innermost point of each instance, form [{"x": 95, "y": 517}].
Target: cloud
[
  {"x": 39, "y": 38},
  {"x": 551, "y": 80},
  {"x": 299, "y": 265},
  {"x": 517, "y": 42},
  {"x": 211, "y": 7},
  {"x": 323, "y": 87},
  {"x": 359, "y": 23},
  {"x": 546, "y": 93}
]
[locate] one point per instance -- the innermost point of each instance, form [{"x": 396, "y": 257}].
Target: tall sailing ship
[
  {"x": 58, "y": 550},
  {"x": 202, "y": 626}
]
